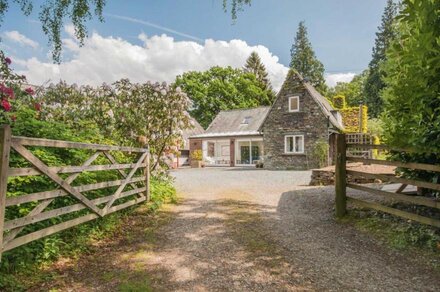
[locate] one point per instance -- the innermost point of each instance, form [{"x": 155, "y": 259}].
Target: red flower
[
  {"x": 6, "y": 105},
  {"x": 14, "y": 118},
  {"x": 8, "y": 60},
  {"x": 7, "y": 91},
  {"x": 37, "y": 106},
  {"x": 30, "y": 91}
]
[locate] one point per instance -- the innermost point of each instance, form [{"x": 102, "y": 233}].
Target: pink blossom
[
  {"x": 30, "y": 91},
  {"x": 6, "y": 105},
  {"x": 8, "y": 60},
  {"x": 7, "y": 90},
  {"x": 37, "y": 106}
]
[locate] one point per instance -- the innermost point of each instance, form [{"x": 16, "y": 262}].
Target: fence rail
[
  {"x": 341, "y": 184},
  {"x": 132, "y": 187}
]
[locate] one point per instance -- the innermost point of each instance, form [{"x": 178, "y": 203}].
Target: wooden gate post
[
  {"x": 5, "y": 147},
  {"x": 341, "y": 176},
  {"x": 147, "y": 175}
]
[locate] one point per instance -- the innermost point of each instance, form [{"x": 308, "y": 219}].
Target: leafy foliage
[
  {"x": 412, "y": 103},
  {"x": 132, "y": 114},
  {"x": 83, "y": 114},
  {"x": 320, "y": 152},
  {"x": 53, "y": 14},
  {"x": 197, "y": 155},
  {"x": 304, "y": 60},
  {"x": 236, "y": 6},
  {"x": 351, "y": 119},
  {"x": 339, "y": 102},
  {"x": 222, "y": 89},
  {"x": 374, "y": 83},
  {"x": 11, "y": 94},
  {"x": 353, "y": 90},
  {"x": 255, "y": 66},
  {"x": 412, "y": 117}
]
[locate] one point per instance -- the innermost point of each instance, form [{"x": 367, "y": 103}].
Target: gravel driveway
[{"x": 254, "y": 230}]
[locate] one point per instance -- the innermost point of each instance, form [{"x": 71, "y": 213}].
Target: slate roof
[
  {"x": 239, "y": 122},
  {"x": 196, "y": 130},
  {"x": 325, "y": 105}
]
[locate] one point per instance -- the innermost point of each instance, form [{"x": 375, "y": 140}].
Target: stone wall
[{"x": 310, "y": 121}]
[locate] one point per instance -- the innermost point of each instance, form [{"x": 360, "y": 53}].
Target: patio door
[
  {"x": 245, "y": 157},
  {"x": 248, "y": 151}
]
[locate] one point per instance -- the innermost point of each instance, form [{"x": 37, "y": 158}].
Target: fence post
[
  {"x": 147, "y": 175},
  {"x": 5, "y": 147},
  {"x": 340, "y": 176}
]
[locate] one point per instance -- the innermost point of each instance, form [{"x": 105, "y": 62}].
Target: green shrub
[
  {"x": 24, "y": 262},
  {"x": 320, "y": 153},
  {"x": 197, "y": 155},
  {"x": 339, "y": 102}
]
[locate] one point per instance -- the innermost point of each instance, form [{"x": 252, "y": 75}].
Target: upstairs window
[
  {"x": 294, "y": 144},
  {"x": 294, "y": 104}
]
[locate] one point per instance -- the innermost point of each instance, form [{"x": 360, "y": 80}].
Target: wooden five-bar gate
[
  {"x": 341, "y": 184},
  {"x": 132, "y": 187}
]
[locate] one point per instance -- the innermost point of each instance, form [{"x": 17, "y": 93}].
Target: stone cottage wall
[{"x": 310, "y": 121}]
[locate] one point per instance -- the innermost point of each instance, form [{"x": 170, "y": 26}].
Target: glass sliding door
[{"x": 248, "y": 152}]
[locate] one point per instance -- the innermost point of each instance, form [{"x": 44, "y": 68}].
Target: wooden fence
[
  {"x": 341, "y": 184},
  {"x": 359, "y": 138},
  {"x": 128, "y": 192}
]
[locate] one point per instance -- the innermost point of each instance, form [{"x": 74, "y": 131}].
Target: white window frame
[
  {"x": 294, "y": 110},
  {"x": 286, "y": 151}
]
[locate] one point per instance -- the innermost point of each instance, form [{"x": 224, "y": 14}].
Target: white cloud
[
  {"x": 17, "y": 37},
  {"x": 333, "y": 79},
  {"x": 160, "y": 58}
]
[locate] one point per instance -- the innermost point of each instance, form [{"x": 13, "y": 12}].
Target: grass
[
  {"x": 398, "y": 233},
  {"x": 18, "y": 275}
]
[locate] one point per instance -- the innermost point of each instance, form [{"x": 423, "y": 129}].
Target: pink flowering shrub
[
  {"x": 12, "y": 97},
  {"x": 153, "y": 114}
]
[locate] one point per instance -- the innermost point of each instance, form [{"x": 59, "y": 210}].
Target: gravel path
[{"x": 245, "y": 229}]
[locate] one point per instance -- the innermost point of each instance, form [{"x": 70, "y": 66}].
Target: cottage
[
  {"x": 283, "y": 136},
  {"x": 233, "y": 138},
  {"x": 298, "y": 120}
]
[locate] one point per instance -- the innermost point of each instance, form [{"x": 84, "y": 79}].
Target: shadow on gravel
[
  {"x": 339, "y": 257},
  {"x": 244, "y": 246}
]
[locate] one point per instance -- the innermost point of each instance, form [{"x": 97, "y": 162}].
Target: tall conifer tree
[
  {"x": 375, "y": 83},
  {"x": 304, "y": 60},
  {"x": 255, "y": 66}
]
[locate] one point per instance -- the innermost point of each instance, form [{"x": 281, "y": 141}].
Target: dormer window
[
  {"x": 246, "y": 121},
  {"x": 294, "y": 104}
]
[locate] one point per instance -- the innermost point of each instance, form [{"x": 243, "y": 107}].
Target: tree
[
  {"x": 236, "y": 6},
  {"x": 304, "y": 60},
  {"x": 129, "y": 113},
  {"x": 222, "y": 89},
  {"x": 52, "y": 14},
  {"x": 353, "y": 90},
  {"x": 255, "y": 66},
  {"x": 375, "y": 83},
  {"x": 412, "y": 78}
]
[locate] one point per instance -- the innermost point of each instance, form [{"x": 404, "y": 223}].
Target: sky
[{"x": 157, "y": 40}]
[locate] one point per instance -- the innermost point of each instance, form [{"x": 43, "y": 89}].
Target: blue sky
[{"x": 342, "y": 32}]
